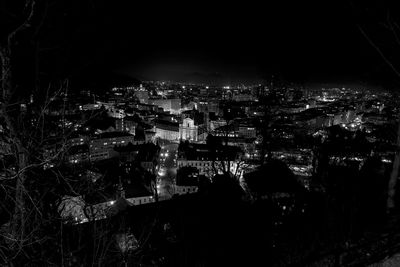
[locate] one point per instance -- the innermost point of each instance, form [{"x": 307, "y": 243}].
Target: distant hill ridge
[{"x": 101, "y": 80}]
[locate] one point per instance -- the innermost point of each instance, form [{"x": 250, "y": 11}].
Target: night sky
[{"x": 226, "y": 42}]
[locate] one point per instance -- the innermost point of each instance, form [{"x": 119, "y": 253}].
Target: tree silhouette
[
  {"x": 274, "y": 176},
  {"x": 386, "y": 28}
]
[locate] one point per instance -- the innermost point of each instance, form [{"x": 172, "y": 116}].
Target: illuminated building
[
  {"x": 167, "y": 130},
  {"x": 103, "y": 146},
  {"x": 247, "y": 131},
  {"x": 214, "y": 124},
  {"x": 189, "y": 130},
  {"x": 116, "y": 113},
  {"x": 125, "y": 125},
  {"x": 169, "y": 105},
  {"x": 201, "y": 157},
  {"x": 78, "y": 154}
]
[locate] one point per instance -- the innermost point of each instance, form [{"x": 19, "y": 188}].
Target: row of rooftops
[
  {"x": 145, "y": 151},
  {"x": 194, "y": 151}
]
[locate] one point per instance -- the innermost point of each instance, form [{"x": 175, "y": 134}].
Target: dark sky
[{"x": 226, "y": 42}]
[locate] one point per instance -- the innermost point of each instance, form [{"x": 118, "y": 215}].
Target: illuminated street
[{"x": 167, "y": 171}]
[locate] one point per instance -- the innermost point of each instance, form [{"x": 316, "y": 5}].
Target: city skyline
[{"x": 217, "y": 134}]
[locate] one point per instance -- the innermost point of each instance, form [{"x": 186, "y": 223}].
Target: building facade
[
  {"x": 189, "y": 131},
  {"x": 167, "y": 130},
  {"x": 103, "y": 147}
]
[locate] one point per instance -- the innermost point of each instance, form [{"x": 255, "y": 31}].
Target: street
[{"x": 167, "y": 171}]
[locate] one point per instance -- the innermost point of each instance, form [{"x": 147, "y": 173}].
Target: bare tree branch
[{"x": 387, "y": 61}]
